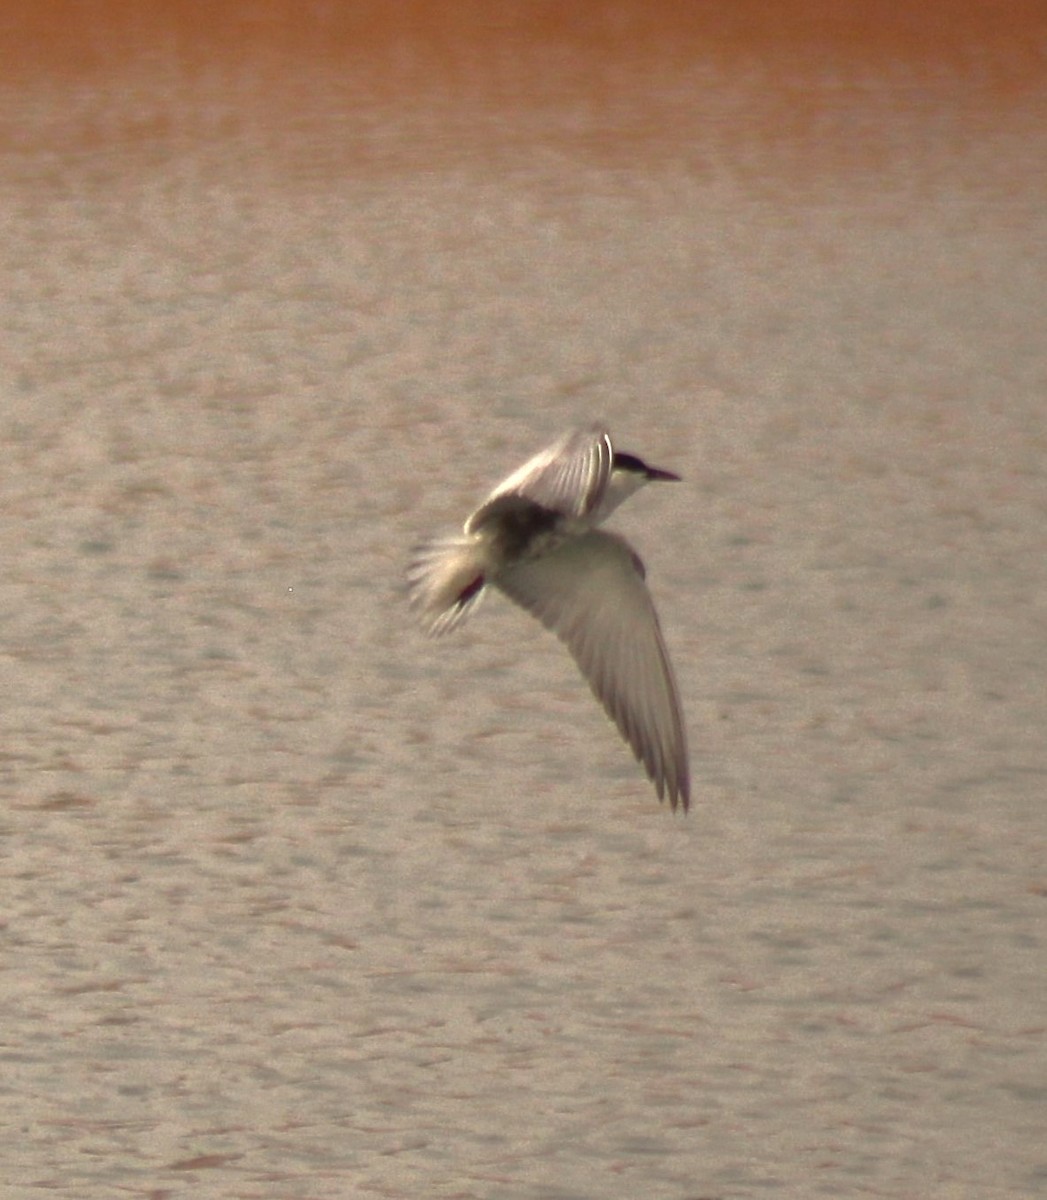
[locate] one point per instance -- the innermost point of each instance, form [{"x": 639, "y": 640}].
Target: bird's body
[{"x": 536, "y": 538}]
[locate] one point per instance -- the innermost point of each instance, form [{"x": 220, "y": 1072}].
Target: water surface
[{"x": 301, "y": 905}]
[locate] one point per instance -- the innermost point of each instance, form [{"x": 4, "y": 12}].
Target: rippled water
[{"x": 298, "y": 904}]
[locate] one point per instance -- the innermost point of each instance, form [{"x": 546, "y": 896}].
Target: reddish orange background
[{"x": 1002, "y": 47}]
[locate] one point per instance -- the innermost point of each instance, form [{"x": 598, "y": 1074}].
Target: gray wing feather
[
  {"x": 567, "y": 477},
  {"x": 591, "y": 593}
]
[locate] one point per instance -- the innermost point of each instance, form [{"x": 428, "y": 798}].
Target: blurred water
[{"x": 301, "y": 905}]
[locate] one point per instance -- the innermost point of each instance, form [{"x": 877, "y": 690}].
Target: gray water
[{"x": 298, "y": 904}]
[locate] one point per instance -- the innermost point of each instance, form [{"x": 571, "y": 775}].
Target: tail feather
[{"x": 446, "y": 577}]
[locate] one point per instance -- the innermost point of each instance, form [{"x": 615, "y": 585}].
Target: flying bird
[{"x": 536, "y": 538}]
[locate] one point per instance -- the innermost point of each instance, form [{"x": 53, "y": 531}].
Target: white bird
[{"x": 535, "y": 538}]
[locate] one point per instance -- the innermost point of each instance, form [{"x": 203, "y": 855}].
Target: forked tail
[{"x": 446, "y": 576}]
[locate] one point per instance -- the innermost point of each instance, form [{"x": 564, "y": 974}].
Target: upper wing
[
  {"x": 591, "y": 593},
  {"x": 568, "y": 477}
]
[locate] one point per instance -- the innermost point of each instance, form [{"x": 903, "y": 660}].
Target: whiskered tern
[{"x": 535, "y": 538}]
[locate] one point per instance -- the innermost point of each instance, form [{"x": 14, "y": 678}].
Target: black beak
[{"x": 656, "y": 475}]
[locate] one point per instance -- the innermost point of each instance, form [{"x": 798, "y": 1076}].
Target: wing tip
[{"x": 677, "y": 790}]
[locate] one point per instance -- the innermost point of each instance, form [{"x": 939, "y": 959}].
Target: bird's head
[{"x": 628, "y": 475}]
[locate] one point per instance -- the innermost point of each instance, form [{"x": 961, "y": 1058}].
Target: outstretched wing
[
  {"x": 566, "y": 478},
  {"x": 591, "y": 593}
]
